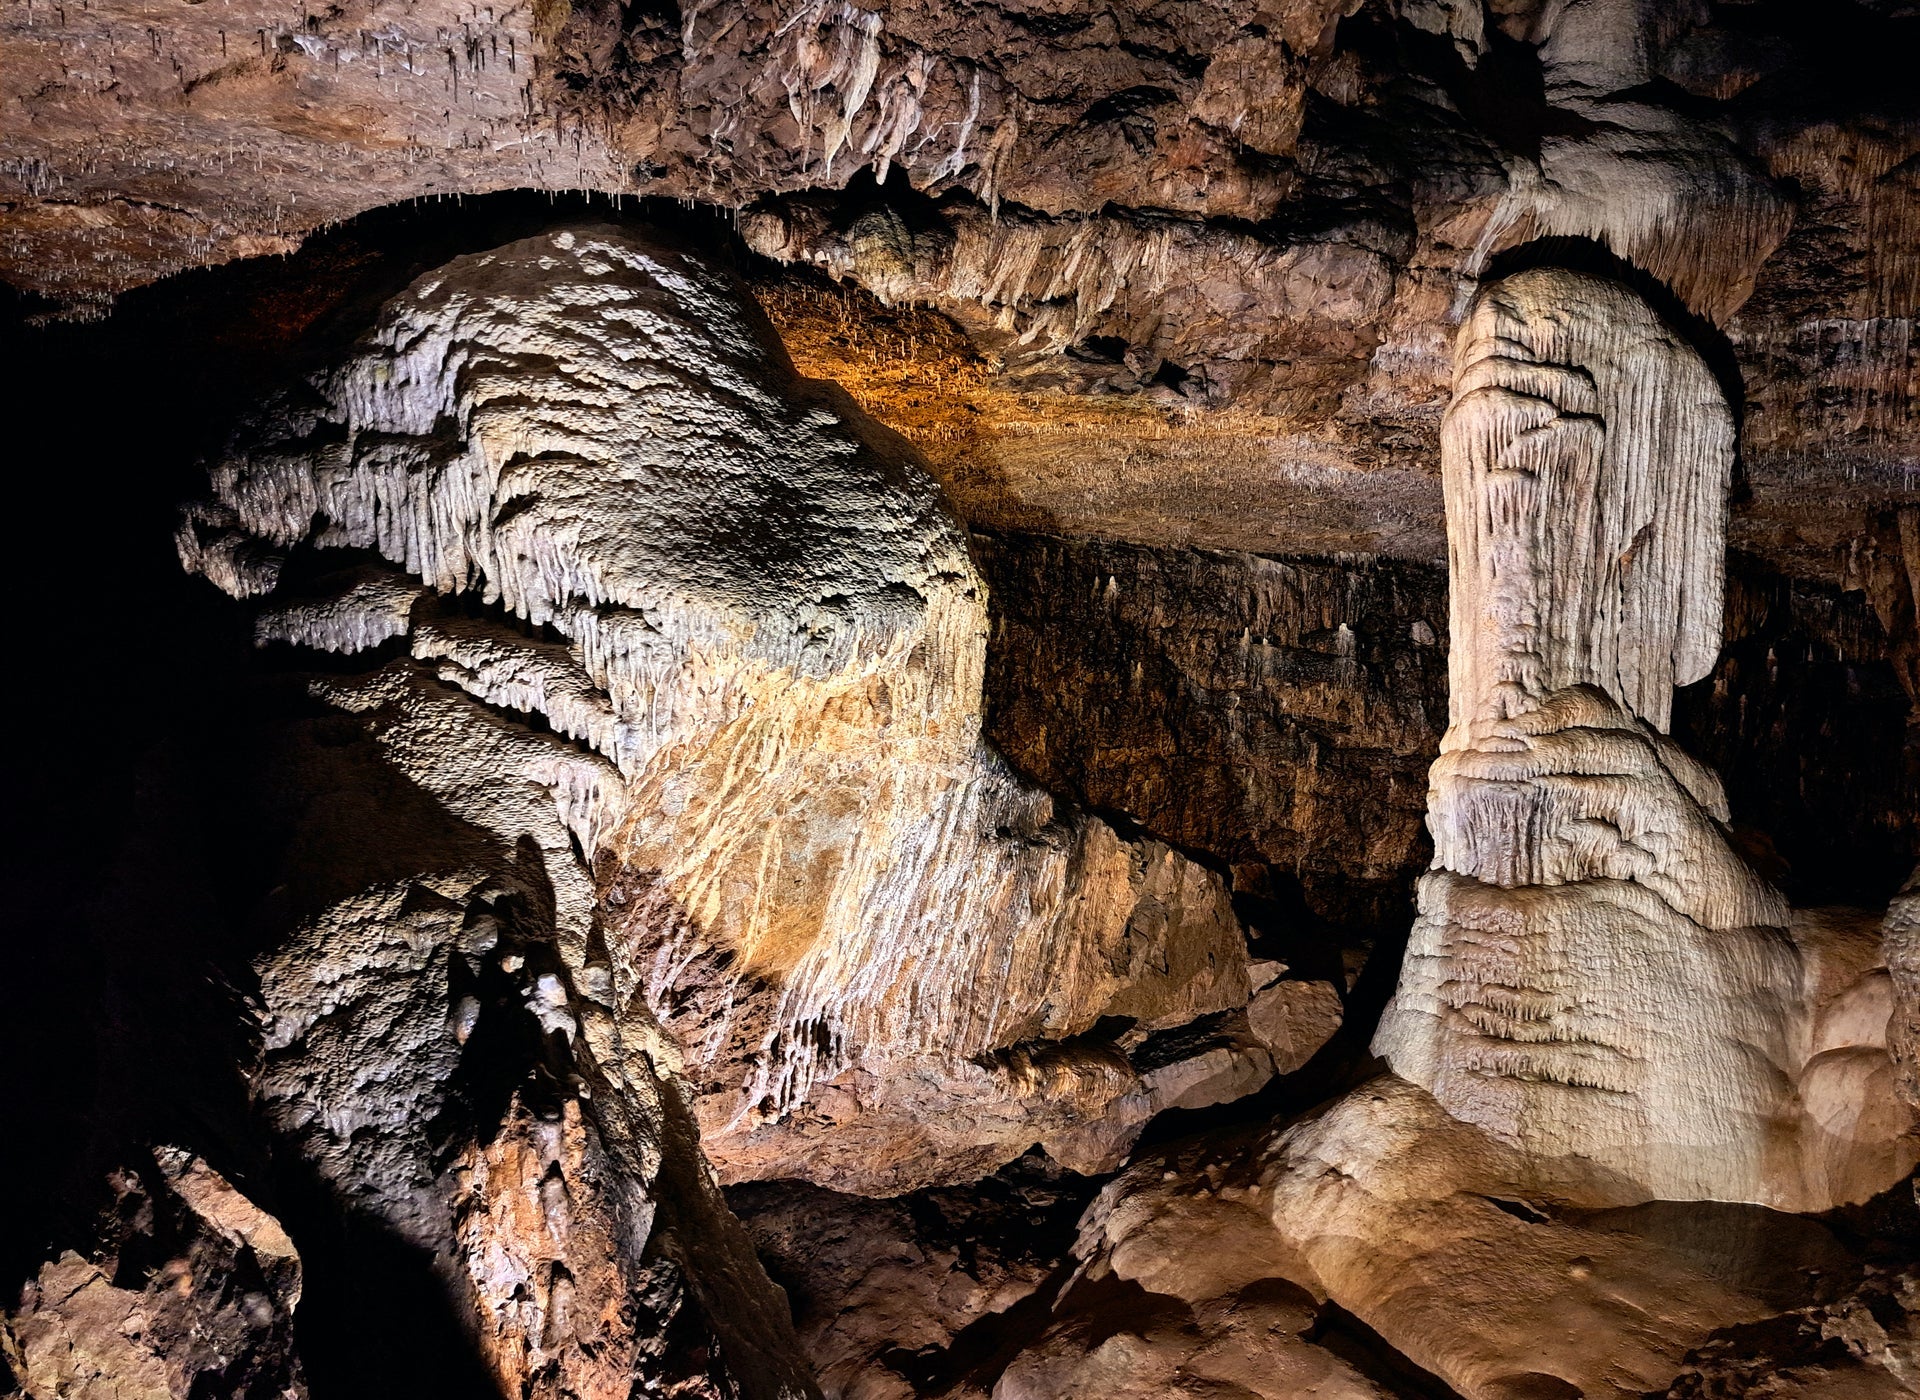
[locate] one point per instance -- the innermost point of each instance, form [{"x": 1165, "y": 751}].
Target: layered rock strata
[
  {"x": 758, "y": 641},
  {"x": 1278, "y": 714},
  {"x": 1209, "y": 252}
]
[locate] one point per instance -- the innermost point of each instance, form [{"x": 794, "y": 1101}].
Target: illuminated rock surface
[
  {"x": 881, "y": 955},
  {"x": 1595, "y": 973},
  {"x": 868, "y": 649}
]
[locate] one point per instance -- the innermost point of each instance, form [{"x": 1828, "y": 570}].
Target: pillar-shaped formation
[
  {"x": 1587, "y": 455},
  {"x": 1594, "y": 972}
]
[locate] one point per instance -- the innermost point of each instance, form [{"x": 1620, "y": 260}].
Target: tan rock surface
[
  {"x": 1293, "y": 1019},
  {"x": 1901, "y": 950},
  {"x": 883, "y": 956},
  {"x": 1210, "y": 1263},
  {"x": 435, "y": 1062},
  {"x": 192, "y": 1293},
  {"x": 911, "y": 1295},
  {"x": 646, "y": 797}
]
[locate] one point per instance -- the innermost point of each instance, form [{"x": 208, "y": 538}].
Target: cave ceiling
[{"x": 1181, "y": 272}]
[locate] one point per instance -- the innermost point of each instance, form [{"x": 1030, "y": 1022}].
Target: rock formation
[
  {"x": 1601, "y": 1005},
  {"x": 434, "y": 1063},
  {"x": 1225, "y": 240},
  {"x": 1245, "y": 1261},
  {"x": 1278, "y": 714},
  {"x": 800, "y": 749},
  {"x": 191, "y": 1292},
  {"x": 766, "y": 646},
  {"x": 1595, "y": 972}
]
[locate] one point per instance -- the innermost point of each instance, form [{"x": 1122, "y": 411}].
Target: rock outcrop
[
  {"x": 1215, "y": 1263},
  {"x": 435, "y": 1065},
  {"x": 1602, "y": 1004},
  {"x": 191, "y": 1292},
  {"x": 923, "y": 1293},
  {"x": 1277, "y": 714},
  {"x": 1901, "y": 950},
  {"x": 1207, "y": 254}
]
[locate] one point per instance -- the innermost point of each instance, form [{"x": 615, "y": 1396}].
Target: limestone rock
[
  {"x": 1269, "y": 712},
  {"x": 1249, "y": 1343},
  {"x": 885, "y": 959},
  {"x": 1172, "y": 211},
  {"x": 1588, "y": 455},
  {"x": 1492, "y": 1285},
  {"x": 910, "y": 1295},
  {"x": 125, "y": 158},
  {"x": 435, "y": 1060},
  {"x": 1595, "y": 973},
  {"x": 1865, "y": 1343},
  {"x": 1224, "y": 242},
  {"x": 1273, "y": 326},
  {"x": 1293, "y": 1019},
  {"x": 1215, "y": 1060},
  {"x": 193, "y": 1293},
  {"x": 1212, "y": 1261}
]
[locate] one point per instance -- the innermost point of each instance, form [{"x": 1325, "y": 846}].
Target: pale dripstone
[
  {"x": 1595, "y": 974},
  {"x": 882, "y": 955}
]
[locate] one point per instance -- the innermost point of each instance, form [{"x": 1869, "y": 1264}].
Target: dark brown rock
[
  {"x": 192, "y": 1292},
  {"x": 920, "y": 1294},
  {"x": 1273, "y": 713}
]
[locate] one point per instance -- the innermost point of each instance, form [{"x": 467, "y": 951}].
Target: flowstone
[{"x": 1595, "y": 973}]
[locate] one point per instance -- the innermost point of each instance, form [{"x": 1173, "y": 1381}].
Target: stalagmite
[
  {"x": 1595, "y": 973},
  {"x": 839, "y": 662}
]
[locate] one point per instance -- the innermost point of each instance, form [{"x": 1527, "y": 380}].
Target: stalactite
[{"x": 767, "y": 646}]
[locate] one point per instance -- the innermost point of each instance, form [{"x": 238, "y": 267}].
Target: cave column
[{"x": 1593, "y": 973}]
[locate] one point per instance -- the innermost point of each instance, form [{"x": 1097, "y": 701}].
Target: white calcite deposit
[
  {"x": 1595, "y": 974},
  {"x": 881, "y": 953}
]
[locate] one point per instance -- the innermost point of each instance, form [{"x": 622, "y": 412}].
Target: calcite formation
[
  {"x": 1601, "y": 1003},
  {"x": 1226, "y": 241},
  {"x": 435, "y": 1065},
  {"x": 1595, "y": 973},
  {"x": 880, "y": 957},
  {"x": 1902, "y": 952},
  {"x": 866, "y": 716}
]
